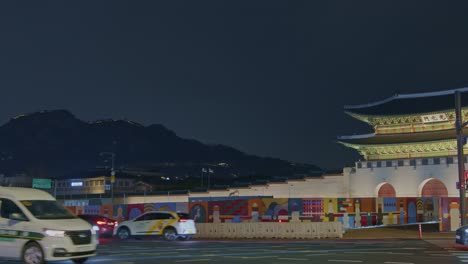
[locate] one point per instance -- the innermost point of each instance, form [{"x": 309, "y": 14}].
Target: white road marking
[
  {"x": 366, "y": 252},
  {"x": 259, "y": 257},
  {"x": 192, "y": 260},
  {"x": 344, "y": 260},
  {"x": 292, "y": 259},
  {"x": 391, "y": 262}
]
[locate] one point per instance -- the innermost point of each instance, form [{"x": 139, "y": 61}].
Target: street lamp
[
  {"x": 112, "y": 177},
  {"x": 459, "y": 125}
]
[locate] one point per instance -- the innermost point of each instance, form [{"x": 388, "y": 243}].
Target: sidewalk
[{"x": 389, "y": 232}]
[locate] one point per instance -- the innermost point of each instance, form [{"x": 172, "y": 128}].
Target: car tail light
[
  {"x": 183, "y": 220},
  {"x": 101, "y": 222}
]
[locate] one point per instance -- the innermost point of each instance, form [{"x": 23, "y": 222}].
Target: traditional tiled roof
[
  {"x": 403, "y": 104},
  {"x": 373, "y": 139}
]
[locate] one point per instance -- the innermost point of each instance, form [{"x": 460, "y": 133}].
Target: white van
[{"x": 35, "y": 228}]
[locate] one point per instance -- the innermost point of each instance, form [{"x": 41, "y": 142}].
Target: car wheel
[
  {"x": 80, "y": 260},
  {"x": 170, "y": 234},
  {"x": 33, "y": 254},
  {"x": 123, "y": 233}
]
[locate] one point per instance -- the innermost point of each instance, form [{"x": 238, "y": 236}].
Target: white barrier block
[{"x": 268, "y": 230}]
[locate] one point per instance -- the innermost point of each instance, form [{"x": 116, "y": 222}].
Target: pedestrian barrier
[{"x": 267, "y": 230}]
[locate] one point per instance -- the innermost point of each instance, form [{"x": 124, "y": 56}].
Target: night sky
[{"x": 269, "y": 78}]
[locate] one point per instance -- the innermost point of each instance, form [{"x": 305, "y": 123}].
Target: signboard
[
  {"x": 434, "y": 118},
  {"x": 107, "y": 187},
  {"x": 41, "y": 183},
  {"x": 77, "y": 184}
]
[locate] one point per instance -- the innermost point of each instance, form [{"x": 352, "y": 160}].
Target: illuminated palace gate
[{"x": 413, "y": 135}]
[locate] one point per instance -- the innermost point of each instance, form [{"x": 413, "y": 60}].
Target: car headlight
[
  {"x": 54, "y": 233},
  {"x": 466, "y": 231},
  {"x": 95, "y": 229}
]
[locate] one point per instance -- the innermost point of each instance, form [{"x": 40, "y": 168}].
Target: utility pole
[
  {"x": 112, "y": 177},
  {"x": 459, "y": 125}
]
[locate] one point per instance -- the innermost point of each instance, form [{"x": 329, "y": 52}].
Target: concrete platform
[
  {"x": 395, "y": 232},
  {"x": 429, "y": 230}
]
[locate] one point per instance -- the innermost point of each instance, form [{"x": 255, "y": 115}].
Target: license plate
[
  {"x": 457, "y": 237},
  {"x": 84, "y": 248}
]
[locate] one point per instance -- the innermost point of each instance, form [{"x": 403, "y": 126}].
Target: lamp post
[
  {"x": 459, "y": 125},
  {"x": 112, "y": 177}
]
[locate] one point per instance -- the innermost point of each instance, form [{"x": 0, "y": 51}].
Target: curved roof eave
[
  {"x": 362, "y": 136},
  {"x": 358, "y": 146},
  {"x": 420, "y": 137},
  {"x": 406, "y": 96},
  {"x": 363, "y": 118}
]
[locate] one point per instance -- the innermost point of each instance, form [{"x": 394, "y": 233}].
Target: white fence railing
[{"x": 301, "y": 230}]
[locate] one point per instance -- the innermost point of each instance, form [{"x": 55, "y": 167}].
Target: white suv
[
  {"x": 35, "y": 228},
  {"x": 170, "y": 225}
]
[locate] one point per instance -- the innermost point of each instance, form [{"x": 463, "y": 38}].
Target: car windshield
[{"x": 47, "y": 209}]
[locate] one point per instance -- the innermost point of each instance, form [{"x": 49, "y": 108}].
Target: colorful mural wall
[{"x": 352, "y": 212}]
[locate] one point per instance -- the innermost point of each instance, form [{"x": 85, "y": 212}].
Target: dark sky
[{"x": 269, "y": 78}]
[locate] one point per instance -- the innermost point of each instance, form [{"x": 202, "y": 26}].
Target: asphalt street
[{"x": 376, "y": 251}]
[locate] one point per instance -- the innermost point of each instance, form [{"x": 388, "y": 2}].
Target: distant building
[
  {"x": 81, "y": 186},
  {"x": 95, "y": 185},
  {"x": 19, "y": 180}
]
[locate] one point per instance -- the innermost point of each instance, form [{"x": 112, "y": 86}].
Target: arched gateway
[
  {"x": 434, "y": 188},
  {"x": 386, "y": 190}
]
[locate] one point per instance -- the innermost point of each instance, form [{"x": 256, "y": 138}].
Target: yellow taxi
[{"x": 170, "y": 225}]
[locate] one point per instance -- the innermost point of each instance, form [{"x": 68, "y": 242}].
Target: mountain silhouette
[{"x": 55, "y": 144}]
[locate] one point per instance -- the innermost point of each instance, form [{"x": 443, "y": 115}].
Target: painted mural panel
[
  {"x": 92, "y": 209},
  {"x": 135, "y": 210},
  {"x": 389, "y": 204},
  {"x": 331, "y": 208},
  {"x": 149, "y": 207},
  {"x": 450, "y": 213},
  {"x": 346, "y": 212},
  {"x": 235, "y": 210},
  {"x": 313, "y": 209},
  {"x": 412, "y": 210},
  {"x": 199, "y": 212},
  {"x": 275, "y": 209},
  {"x": 182, "y": 207},
  {"x": 352, "y": 212},
  {"x": 402, "y": 209},
  {"x": 256, "y": 209},
  {"x": 429, "y": 214},
  {"x": 165, "y": 207},
  {"x": 120, "y": 212},
  {"x": 72, "y": 209},
  {"x": 107, "y": 210}
]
